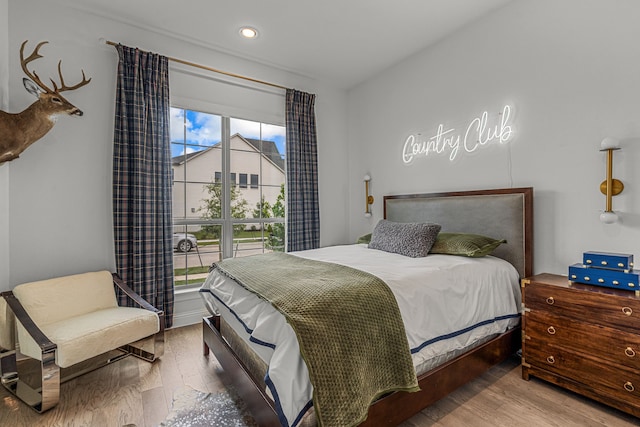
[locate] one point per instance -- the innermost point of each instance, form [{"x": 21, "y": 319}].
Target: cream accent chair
[{"x": 67, "y": 320}]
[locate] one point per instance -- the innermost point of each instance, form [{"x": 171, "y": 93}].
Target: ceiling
[{"x": 340, "y": 41}]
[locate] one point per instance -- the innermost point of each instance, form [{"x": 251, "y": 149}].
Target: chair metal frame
[{"x": 48, "y": 395}]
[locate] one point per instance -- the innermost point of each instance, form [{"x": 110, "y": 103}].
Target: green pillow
[
  {"x": 471, "y": 245},
  {"x": 364, "y": 239}
]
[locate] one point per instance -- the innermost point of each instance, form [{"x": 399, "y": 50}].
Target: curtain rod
[{"x": 204, "y": 67}]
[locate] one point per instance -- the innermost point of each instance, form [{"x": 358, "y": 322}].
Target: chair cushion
[
  {"x": 91, "y": 334},
  {"x": 53, "y": 300}
]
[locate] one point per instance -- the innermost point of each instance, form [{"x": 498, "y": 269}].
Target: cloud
[
  {"x": 273, "y": 132},
  {"x": 255, "y": 130},
  {"x": 201, "y": 128},
  {"x": 205, "y": 129},
  {"x": 181, "y": 150},
  {"x": 176, "y": 124}
]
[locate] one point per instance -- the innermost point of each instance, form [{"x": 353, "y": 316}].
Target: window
[{"x": 229, "y": 219}]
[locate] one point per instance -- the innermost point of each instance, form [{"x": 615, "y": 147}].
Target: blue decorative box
[
  {"x": 608, "y": 260},
  {"x": 618, "y": 279}
]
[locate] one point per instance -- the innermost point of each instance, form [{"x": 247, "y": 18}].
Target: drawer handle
[
  {"x": 552, "y": 360},
  {"x": 629, "y": 386},
  {"x": 629, "y": 352},
  {"x": 551, "y": 330},
  {"x": 587, "y": 278},
  {"x": 600, "y": 280},
  {"x": 603, "y": 262},
  {"x": 627, "y": 311},
  {"x": 550, "y": 301},
  {"x": 615, "y": 282}
]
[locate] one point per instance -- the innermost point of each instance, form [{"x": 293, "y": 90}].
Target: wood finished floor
[{"x": 134, "y": 392}]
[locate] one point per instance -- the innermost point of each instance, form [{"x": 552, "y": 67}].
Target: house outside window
[{"x": 231, "y": 219}]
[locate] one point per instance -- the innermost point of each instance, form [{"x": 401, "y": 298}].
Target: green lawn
[
  {"x": 191, "y": 270},
  {"x": 188, "y": 282}
]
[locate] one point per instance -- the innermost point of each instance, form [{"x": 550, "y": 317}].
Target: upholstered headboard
[{"x": 501, "y": 214}]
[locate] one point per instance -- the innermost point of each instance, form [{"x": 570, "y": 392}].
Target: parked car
[{"x": 184, "y": 242}]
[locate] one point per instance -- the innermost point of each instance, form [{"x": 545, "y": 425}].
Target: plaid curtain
[
  {"x": 303, "y": 215},
  {"x": 142, "y": 178}
]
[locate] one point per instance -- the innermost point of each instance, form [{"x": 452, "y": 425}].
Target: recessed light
[{"x": 248, "y": 32}]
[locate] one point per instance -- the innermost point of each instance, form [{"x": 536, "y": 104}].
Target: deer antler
[
  {"x": 65, "y": 87},
  {"x": 33, "y": 76},
  {"x": 35, "y": 55}
]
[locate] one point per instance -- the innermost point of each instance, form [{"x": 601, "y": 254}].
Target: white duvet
[{"x": 447, "y": 303}]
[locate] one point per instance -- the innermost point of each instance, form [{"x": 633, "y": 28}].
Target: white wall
[
  {"x": 4, "y": 169},
  {"x": 60, "y": 188},
  {"x": 571, "y": 70}
]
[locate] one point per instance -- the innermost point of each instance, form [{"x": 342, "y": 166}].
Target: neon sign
[{"x": 481, "y": 131}]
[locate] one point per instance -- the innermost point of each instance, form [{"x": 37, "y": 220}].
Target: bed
[{"x": 503, "y": 213}]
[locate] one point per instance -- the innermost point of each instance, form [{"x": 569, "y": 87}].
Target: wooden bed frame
[{"x": 396, "y": 407}]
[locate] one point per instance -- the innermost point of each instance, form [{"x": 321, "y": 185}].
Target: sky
[{"x": 204, "y": 130}]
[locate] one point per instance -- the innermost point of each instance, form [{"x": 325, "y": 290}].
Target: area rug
[{"x": 194, "y": 408}]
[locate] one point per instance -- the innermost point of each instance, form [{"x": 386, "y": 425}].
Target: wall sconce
[
  {"x": 610, "y": 187},
  {"x": 368, "y": 197}
]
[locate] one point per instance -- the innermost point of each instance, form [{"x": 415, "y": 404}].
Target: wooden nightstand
[{"x": 583, "y": 338}]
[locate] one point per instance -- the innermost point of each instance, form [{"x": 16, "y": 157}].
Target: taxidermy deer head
[{"x": 19, "y": 131}]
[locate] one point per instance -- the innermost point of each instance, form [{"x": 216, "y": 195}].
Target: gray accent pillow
[{"x": 405, "y": 238}]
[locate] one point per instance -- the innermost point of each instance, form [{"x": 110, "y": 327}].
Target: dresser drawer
[
  {"x": 618, "y": 383},
  {"x": 593, "y": 307},
  {"x": 610, "y": 345}
]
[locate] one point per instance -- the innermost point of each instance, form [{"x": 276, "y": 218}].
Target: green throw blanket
[{"x": 348, "y": 326}]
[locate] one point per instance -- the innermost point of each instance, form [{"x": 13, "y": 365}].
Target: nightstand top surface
[{"x": 563, "y": 281}]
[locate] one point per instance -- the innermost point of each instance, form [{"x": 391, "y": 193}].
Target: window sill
[{"x": 188, "y": 307}]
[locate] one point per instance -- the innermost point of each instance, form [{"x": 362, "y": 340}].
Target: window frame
[{"x": 226, "y": 221}]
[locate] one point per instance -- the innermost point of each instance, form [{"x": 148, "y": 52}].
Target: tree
[
  {"x": 263, "y": 209},
  {"x": 213, "y": 208},
  {"x": 276, "y": 237}
]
